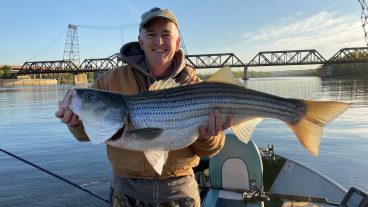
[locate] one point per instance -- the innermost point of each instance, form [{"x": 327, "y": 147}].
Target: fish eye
[{"x": 89, "y": 96}]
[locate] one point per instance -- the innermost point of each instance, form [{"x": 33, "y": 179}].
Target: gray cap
[{"x": 155, "y": 13}]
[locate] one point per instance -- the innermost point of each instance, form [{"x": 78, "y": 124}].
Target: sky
[{"x": 36, "y": 30}]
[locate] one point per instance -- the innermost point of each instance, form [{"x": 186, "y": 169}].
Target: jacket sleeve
[
  {"x": 79, "y": 133},
  {"x": 209, "y": 147},
  {"x": 187, "y": 76}
]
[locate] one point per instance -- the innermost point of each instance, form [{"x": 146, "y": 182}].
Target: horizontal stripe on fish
[{"x": 206, "y": 96}]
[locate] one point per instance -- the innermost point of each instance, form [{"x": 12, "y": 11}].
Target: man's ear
[
  {"x": 177, "y": 43},
  {"x": 140, "y": 42}
]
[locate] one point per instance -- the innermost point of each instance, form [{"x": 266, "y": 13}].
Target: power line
[
  {"x": 57, "y": 38},
  {"x": 108, "y": 27},
  {"x": 125, "y": 26}
]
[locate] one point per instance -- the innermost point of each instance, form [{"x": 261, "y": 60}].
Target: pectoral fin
[
  {"x": 245, "y": 129},
  {"x": 157, "y": 159},
  {"x": 145, "y": 133}
]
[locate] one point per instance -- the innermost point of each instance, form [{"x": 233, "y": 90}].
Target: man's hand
[
  {"x": 215, "y": 125},
  {"x": 66, "y": 115}
]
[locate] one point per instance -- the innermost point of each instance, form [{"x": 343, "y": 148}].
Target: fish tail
[{"x": 310, "y": 127}]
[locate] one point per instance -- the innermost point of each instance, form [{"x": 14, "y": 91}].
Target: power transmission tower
[
  {"x": 71, "y": 50},
  {"x": 364, "y": 18},
  {"x": 182, "y": 45}
]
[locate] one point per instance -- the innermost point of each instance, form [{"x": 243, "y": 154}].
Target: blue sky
[{"x": 36, "y": 30}]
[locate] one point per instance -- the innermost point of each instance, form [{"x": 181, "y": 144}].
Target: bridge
[{"x": 219, "y": 60}]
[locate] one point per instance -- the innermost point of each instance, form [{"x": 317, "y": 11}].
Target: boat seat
[{"x": 235, "y": 169}]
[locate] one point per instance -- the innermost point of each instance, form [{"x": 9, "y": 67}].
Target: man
[{"x": 155, "y": 56}]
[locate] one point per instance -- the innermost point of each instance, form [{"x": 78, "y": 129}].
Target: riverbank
[{"x": 26, "y": 82}]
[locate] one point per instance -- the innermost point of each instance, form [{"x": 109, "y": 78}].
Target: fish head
[{"x": 103, "y": 113}]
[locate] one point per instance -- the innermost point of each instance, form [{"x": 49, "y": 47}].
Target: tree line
[{"x": 5, "y": 72}]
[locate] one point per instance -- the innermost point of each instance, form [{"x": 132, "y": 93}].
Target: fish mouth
[
  {"x": 68, "y": 97},
  {"x": 72, "y": 101}
]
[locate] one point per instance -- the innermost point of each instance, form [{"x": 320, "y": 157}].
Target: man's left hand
[{"x": 215, "y": 125}]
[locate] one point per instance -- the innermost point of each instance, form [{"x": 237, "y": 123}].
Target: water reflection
[
  {"x": 29, "y": 128},
  {"x": 302, "y": 88},
  {"x": 349, "y": 89},
  {"x": 354, "y": 90}
]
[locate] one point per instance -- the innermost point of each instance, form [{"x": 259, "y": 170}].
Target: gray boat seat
[{"x": 235, "y": 169}]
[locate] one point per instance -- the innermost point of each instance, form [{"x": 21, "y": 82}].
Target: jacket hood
[{"x": 133, "y": 55}]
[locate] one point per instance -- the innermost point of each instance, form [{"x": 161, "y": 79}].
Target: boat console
[
  {"x": 355, "y": 198},
  {"x": 244, "y": 175}
]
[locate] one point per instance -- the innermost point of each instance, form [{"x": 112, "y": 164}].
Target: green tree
[
  {"x": 5, "y": 72},
  {"x": 351, "y": 68}
]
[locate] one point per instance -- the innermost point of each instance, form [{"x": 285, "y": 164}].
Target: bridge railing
[
  {"x": 218, "y": 60},
  {"x": 350, "y": 55},
  {"x": 287, "y": 57},
  {"x": 55, "y": 66}
]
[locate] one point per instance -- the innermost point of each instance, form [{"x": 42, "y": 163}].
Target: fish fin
[
  {"x": 245, "y": 129},
  {"x": 145, "y": 133},
  {"x": 163, "y": 84},
  {"x": 157, "y": 159},
  {"x": 224, "y": 75},
  {"x": 100, "y": 136},
  {"x": 310, "y": 127}
]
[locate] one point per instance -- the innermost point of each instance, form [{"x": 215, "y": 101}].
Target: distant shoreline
[{"x": 27, "y": 82}]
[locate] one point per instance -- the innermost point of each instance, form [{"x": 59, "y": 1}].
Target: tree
[{"x": 5, "y": 72}]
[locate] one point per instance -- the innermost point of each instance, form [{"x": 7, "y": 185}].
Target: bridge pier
[
  {"x": 327, "y": 71},
  {"x": 80, "y": 78},
  {"x": 245, "y": 73},
  {"x": 97, "y": 74}
]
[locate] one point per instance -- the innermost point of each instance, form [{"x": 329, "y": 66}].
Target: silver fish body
[
  {"x": 165, "y": 119},
  {"x": 180, "y": 111}
]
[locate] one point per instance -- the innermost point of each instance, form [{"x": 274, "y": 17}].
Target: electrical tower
[
  {"x": 364, "y": 18},
  {"x": 71, "y": 50},
  {"x": 182, "y": 45}
]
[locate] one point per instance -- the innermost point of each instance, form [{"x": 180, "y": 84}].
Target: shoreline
[{"x": 27, "y": 82}]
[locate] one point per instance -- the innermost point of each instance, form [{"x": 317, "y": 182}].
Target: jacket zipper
[{"x": 155, "y": 189}]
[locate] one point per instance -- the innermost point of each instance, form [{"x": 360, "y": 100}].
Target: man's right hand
[{"x": 66, "y": 115}]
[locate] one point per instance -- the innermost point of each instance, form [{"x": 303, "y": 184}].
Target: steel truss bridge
[{"x": 267, "y": 58}]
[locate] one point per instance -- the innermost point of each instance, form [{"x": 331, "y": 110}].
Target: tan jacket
[{"x": 133, "y": 164}]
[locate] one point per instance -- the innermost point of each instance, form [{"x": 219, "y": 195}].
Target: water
[{"x": 29, "y": 129}]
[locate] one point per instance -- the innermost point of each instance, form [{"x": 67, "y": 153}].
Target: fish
[{"x": 167, "y": 116}]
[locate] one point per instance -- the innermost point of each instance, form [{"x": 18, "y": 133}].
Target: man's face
[{"x": 159, "y": 40}]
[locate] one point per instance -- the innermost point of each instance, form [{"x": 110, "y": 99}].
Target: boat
[{"x": 246, "y": 175}]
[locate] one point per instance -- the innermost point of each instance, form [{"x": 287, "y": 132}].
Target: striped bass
[{"x": 167, "y": 118}]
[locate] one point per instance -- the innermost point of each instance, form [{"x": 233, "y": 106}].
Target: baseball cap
[{"x": 155, "y": 13}]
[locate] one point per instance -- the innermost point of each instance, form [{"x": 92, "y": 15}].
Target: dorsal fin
[
  {"x": 224, "y": 75},
  {"x": 163, "y": 84}
]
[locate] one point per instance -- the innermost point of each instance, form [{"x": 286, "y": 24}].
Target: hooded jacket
[{"x": 135, "y": 78}]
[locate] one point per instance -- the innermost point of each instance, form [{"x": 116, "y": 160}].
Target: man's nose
[{"x": 159, "y": 40}]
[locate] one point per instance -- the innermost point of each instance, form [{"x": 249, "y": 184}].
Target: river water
[{"x": 29, "y": 129}]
